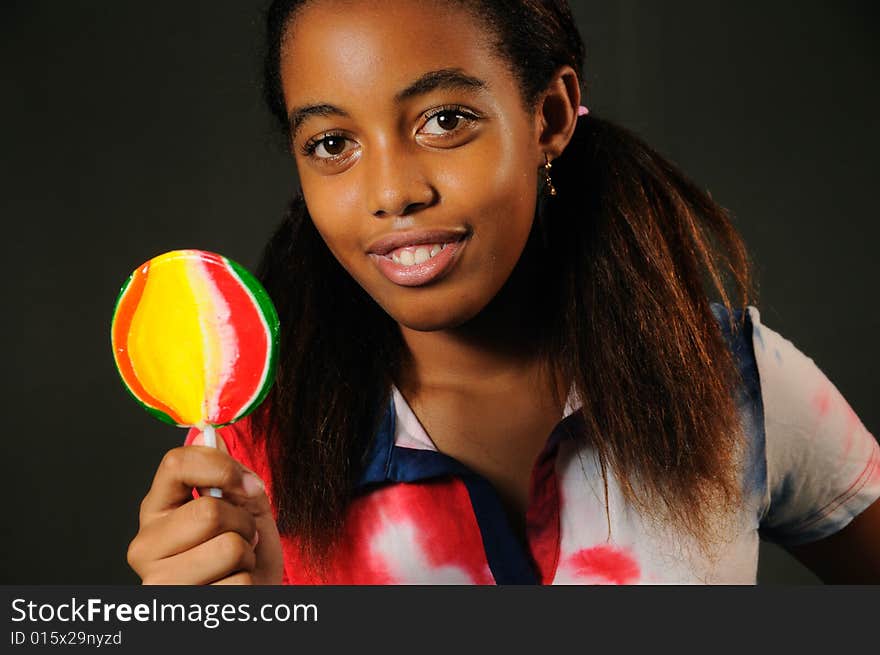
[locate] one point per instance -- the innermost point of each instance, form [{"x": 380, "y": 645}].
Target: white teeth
[{"x": 419, "y": 255}]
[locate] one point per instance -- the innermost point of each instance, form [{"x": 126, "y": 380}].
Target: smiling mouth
[
  {"x": 412, "y": 255},
  {"x": 419, "y": 264},
  {"x": 415, "y": 238}
]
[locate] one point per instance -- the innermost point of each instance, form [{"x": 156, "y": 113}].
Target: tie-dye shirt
[{"x": 421, "y": 517}]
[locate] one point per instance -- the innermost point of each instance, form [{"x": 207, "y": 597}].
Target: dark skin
[
  {"x": 221, "y": 541},
  {"x": 850, "y": 556},
  {"x": 471, "y": 375},
  {"x": 399, "y": 169}
]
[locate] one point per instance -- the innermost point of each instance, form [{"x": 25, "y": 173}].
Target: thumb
[
  {"x": 199, "y": 440},
  {"x": 270, "y": 557}
]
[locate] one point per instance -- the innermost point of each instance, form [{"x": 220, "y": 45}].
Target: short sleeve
[{"x": 823, "y": 466}]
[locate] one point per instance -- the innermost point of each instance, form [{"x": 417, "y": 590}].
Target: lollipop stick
[{"x": 211, "y": 440}]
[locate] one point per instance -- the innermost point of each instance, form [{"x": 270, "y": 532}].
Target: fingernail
[
  {"x": 251, "y": 484},
  {"x": 256, "y": 539}
]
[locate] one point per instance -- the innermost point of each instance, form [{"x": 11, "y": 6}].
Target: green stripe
[{"x": 267, "y": 309}]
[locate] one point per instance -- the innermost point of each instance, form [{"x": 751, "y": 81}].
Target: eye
[
  {"x": 447, "y": 120},
  {"x": 328, "y": 146}
]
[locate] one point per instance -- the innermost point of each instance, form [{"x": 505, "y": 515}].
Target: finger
[
  {"x": 199, "y": 440},
  {"x": 266, "y": 539},
  {"x": 196, "y": 466},
  {"x": 186, "y": 527},
  {"x": 212, "y": 560},
  {"x": 270, "y": 557}
]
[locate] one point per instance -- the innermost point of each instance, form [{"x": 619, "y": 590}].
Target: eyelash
[
  {"x": 458, "y": 110},
  {"x": 309, "y": 147}
]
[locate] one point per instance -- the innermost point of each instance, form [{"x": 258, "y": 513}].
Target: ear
[{"x": 556, "y": 113}]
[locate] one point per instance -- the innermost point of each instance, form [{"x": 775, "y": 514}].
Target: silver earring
[{"x": 548, "y": 183}]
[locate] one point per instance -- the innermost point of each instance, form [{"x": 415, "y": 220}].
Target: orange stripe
[{"x": 121, "y": 324}]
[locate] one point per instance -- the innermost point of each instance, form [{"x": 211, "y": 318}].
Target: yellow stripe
[{"x": 166, "y": 343}]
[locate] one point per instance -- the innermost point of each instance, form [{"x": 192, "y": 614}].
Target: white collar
[{"x": 409, "y": 432}]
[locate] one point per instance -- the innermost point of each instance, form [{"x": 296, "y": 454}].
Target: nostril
[
  {"x": 409, "y": 209},
  {"x": 404, "y": 202},
  {"x": 412, "y": 207}
]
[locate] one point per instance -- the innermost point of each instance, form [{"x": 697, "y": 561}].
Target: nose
[{"x": 397, "y": 185}]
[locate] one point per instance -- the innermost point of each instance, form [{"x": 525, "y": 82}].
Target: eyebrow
[
  {"x": 300, "y": 114},
  {"x": 446, "y": 79}
]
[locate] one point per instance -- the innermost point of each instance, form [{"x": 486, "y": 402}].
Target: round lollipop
[{"x": 195, "y": 338}]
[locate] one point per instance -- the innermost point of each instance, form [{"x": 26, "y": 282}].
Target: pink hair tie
[{"x": 583, "y": 111}]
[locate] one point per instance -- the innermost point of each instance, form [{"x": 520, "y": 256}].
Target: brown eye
[
  {"x": 329, "y": 146},
  {"x": 333, "y": 145},
  {"x": 448, "y": 120}
]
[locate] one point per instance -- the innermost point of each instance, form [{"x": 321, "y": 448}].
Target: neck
[
  {"x": 468, "y": 358},
  {"x": 499, "y": 348}
]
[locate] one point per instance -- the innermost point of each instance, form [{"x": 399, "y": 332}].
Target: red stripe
[
  {"x": 250, "y": 333},
  {"x": 125, "y": 311},
  {"x": 542, "y": 516}
]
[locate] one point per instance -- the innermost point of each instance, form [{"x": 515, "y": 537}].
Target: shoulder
[
  {"x": 738, "y": 327},
  {"x": 822, "y": 464}
]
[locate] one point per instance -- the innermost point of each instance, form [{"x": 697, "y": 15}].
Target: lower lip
[{"x": 419, "y": 274}]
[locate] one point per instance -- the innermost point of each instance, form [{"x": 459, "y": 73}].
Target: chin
[{"x": 432, "y": 318}]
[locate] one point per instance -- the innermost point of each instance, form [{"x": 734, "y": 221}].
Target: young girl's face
[{"x": 406, "y": 124}]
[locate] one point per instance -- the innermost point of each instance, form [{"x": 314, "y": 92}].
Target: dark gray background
[{"x": 130, "y": 129}]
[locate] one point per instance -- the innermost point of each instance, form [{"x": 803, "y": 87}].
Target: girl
[{"x": 501, "y": 362}]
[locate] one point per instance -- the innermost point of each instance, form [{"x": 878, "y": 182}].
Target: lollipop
[{"x": 195, "y": 339}]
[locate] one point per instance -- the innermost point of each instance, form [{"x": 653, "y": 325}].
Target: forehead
[{"x": 366, "y": 50}]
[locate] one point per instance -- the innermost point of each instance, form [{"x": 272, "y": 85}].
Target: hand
[{"x": 229, "y": 540}]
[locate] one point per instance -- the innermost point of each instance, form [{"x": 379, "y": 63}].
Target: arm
[
  {"x": 823, "y": 467},
  {"x": 850, "y": 556}
]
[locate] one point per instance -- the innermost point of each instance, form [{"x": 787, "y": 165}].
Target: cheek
[
  {"x": 492, "y": 178},
  {"x": 333, "y": 208},
  {"x": 330, "y": 199},
  {"x": 501, "y": 197}
]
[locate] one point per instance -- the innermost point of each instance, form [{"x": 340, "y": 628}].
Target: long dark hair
[{"x": 638, "y": 252}]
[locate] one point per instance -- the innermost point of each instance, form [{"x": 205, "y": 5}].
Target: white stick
[{"x": 211, "y": 440}]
